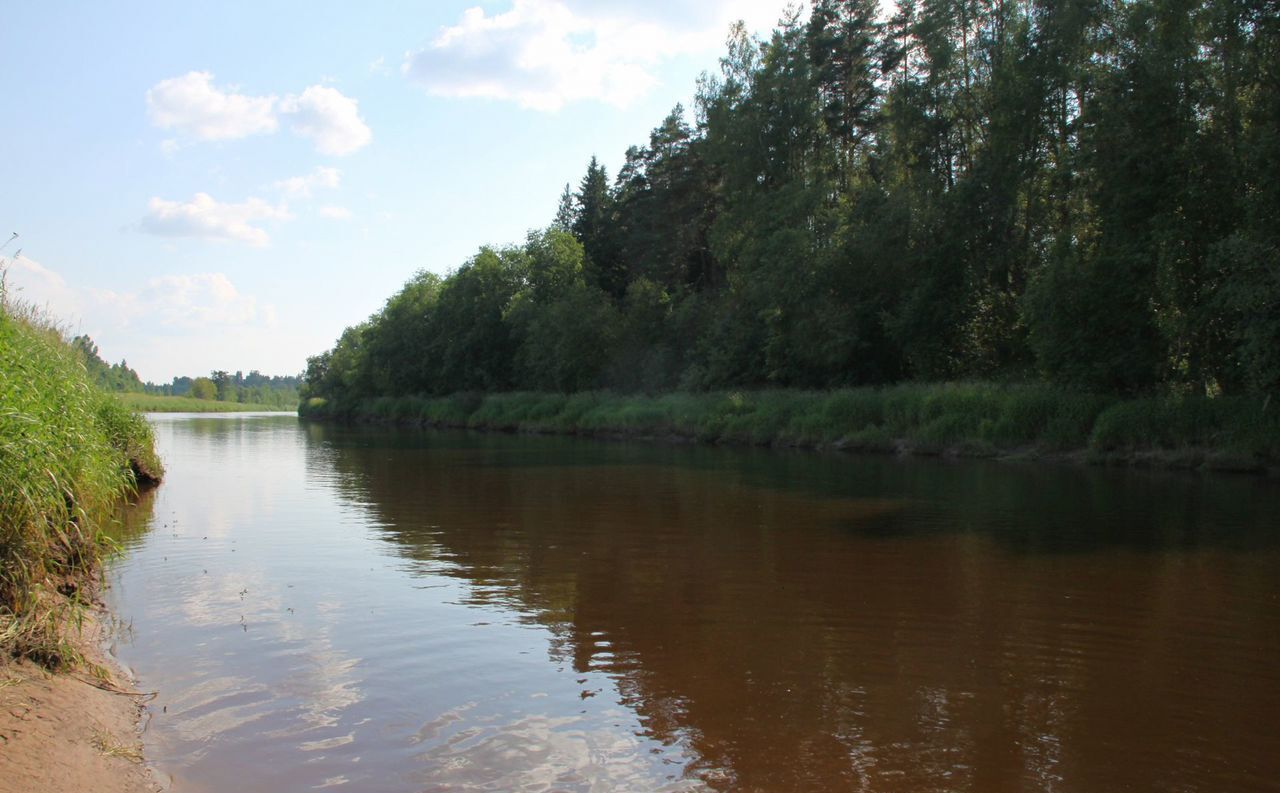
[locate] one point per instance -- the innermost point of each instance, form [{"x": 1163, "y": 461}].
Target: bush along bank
[
  {"x": 69, "y": 452},
  {"x": 966, "y": 419}
]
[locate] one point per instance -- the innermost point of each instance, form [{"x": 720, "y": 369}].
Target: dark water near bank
[{"x": 382, "y": 611}]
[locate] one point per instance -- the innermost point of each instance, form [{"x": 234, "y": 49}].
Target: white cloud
[
  {"x": 329, "y": 118},
  {"x": 196, "y": 108},
  {"x": 323, "y": 177},
  {"x": 335, "y": 213},
  {"x": 543, "y": 54},
  {"x": 187, "y": 302},
  {"x": 200, "y": 301},
  {"x": 169, "y": 325},
  {"x": 29, "y": 281},
  {"x": 205, "y": 218},
  {"x": 193, "y": 105}
]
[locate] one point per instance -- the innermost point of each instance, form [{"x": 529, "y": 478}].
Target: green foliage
[
  {"x": 68, "y": 451},
  {"x": 1242, "y": 424},
  {"x": 1075, "y": 193},
  {"x": 113, "y": 377},
  {"x": 203, "y": 388},
  {"x": 967, "y": 418}
]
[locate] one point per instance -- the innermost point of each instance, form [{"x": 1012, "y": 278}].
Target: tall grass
[
  {"x": 983, "y": 419},
  {"x": 68, "y": 452}
]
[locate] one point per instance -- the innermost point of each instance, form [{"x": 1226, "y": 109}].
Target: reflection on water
[{"x": 326, "y": 607}]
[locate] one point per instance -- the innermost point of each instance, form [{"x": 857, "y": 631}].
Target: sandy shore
[{"x": 71, "y": 731}]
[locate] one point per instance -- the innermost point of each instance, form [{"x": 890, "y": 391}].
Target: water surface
[{"x": 377, "y": 610}]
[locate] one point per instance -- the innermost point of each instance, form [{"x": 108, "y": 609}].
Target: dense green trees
[
  {"x": 112, "y": 377},
  {"x": 1080, "y": 191}
]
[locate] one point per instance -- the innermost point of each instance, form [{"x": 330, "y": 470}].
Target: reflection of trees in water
[
  {"x": 132, "y": 519},
  {"x": 802, "y": 622}
]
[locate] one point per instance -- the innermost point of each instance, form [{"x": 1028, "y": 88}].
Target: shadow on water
[
  {"x": 1022, "y": 507},
  {"x": 808, "y": 622}
]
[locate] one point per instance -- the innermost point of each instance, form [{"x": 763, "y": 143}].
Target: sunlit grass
[
  {"x": 158, "y": 403},
  {"x": 68, "y": 451}
]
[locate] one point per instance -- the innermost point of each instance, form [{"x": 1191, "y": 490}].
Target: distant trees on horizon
[{"x": 254, "y": 388}]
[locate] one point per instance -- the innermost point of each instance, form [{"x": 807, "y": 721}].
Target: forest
[{"x": 1082, "y": 194}]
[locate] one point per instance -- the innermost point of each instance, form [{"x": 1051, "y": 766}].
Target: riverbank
[
  {"x": 69, "y": 453},
  {"x": 158, "y": 403},
  {"x": 72, "y": 730},
  {"x": 958, "y": 419}
]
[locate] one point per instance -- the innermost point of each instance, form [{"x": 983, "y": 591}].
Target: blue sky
[{"x": 228, "y": 185}]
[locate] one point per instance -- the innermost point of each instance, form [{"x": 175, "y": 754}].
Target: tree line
[
  {"x": 253, "y": 388},
  {"x": 223, "y": 386},
  {"x": 1081, "y": 192}
]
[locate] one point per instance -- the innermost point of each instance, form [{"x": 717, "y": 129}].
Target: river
[{"x": 383, "y": 610}]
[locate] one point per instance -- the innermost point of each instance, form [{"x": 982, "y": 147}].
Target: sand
[{"x": 70, "y": 731}]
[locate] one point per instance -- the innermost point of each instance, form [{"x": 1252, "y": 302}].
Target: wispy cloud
[
  {"x": 194, "y": 107},
  {"x": 203, "y": 217},
  {"x": 193, "y": 302},
  {"x": 543, "y": 54},
  {"x": 334, "y": 213},
  {"x": 178, "y": 323},
  {"x": 323, "y": 177},
  {"x": 201, "y": 301}
]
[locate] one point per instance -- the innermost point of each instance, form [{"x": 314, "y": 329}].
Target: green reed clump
[
  {"x": 68, "y": 452},
  {"x": 1240, "y": 425}
]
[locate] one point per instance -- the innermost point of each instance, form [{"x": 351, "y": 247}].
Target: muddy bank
[{"x": 75, "y": 730}]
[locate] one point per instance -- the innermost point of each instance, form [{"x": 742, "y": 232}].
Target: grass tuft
[{"x": 108, "y": 746}]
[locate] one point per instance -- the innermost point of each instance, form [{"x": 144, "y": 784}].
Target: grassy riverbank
[
  {"x": 156, "y": 403},
  {"x": 975, "y": 419},
  {"x": 68, "y": 452}
]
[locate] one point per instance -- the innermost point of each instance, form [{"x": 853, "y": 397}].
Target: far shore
[
  {"x": 958, "y": 420},
  {"x": 158, "y": 403}
]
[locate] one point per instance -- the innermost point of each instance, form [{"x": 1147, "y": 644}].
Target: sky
[{"x": 228, "y": 185}]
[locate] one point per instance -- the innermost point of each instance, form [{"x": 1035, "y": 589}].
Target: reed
[{"x": 68, "y": 452}]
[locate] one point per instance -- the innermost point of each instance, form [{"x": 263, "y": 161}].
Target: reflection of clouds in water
[
  {"x": 326, "y": 687},
  {"x": 319, "y": 680},
  {"x": 214, "y": 599},
  {"x": 539, "y": 753},
  {"x": 326, "y": 682},
  {"x": 217, "y": 705},
  {"x": 327, "y": 743}
]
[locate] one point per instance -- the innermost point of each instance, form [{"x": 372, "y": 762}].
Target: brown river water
[{"x": 381, "y": 610}]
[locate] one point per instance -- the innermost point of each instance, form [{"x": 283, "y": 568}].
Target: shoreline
[
  {"x": 1191, "y": 460},
  {"x": 74, "y": 729},
  {"x": 955, "y": 421}
]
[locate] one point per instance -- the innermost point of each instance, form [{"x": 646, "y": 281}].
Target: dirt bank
[{"x": 74, "y": 730}]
